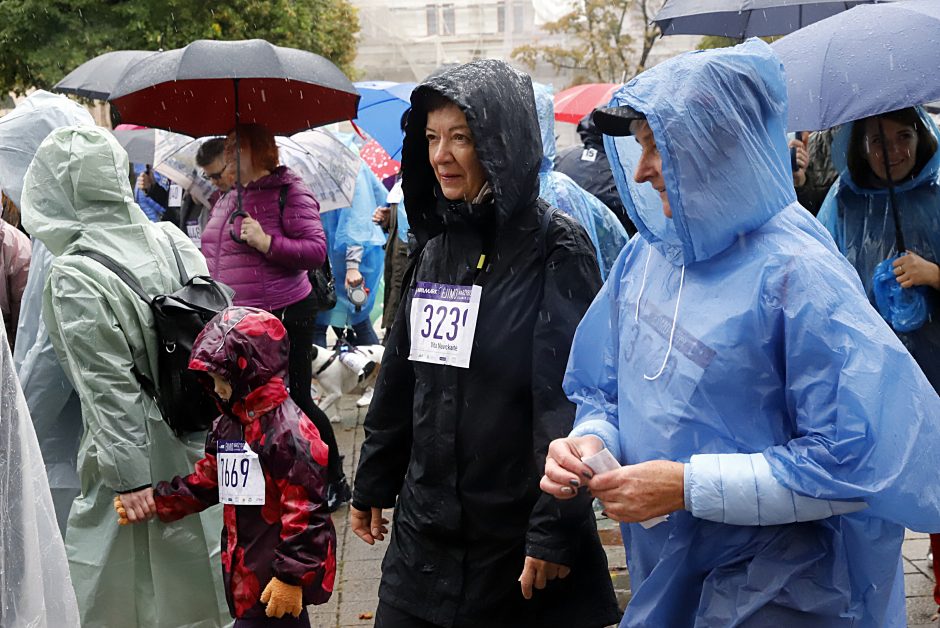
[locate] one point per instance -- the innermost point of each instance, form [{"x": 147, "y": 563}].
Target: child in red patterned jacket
[{"x": 266, "y": 462}]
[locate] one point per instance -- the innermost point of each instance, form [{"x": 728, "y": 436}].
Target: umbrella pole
[
  {"x": 238, "y": 155},
  {"x": 892, "y": 202}
]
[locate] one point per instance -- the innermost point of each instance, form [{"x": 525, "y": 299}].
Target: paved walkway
[{"x": 359, "y": 565}]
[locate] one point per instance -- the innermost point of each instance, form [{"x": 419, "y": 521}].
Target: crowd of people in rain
[{"x": 660, "y": 296}]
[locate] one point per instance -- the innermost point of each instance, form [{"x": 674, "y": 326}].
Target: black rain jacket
[
  {"x": 463, "y": 450},
  {"x": 594, "y": 175}
]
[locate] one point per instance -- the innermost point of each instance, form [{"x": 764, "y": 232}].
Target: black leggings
[{"x": 299, "y": 319}]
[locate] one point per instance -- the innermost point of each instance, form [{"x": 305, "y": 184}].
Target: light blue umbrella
[
  {"x": 740, "y": 19},
  {"x": 869, "y": 60},
  {"x": 381, "y": 107}
]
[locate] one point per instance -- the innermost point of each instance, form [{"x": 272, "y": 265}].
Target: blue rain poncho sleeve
[{"x": 353, "y": 227}]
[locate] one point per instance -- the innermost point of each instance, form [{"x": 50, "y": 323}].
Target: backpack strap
[
  {"x": 184, "y": 276},
  {"x": 546, "y": 223},
  {"x": 146, "y": 385},
  {"x": 282, "y": 198},
  {"x": 118, "y": 270}
]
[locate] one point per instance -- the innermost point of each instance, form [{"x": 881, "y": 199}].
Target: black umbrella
[
  {"x": 739, "y": 19},
  {"x": 97, "y": 77},
  {"x": 209, "y": 86}
]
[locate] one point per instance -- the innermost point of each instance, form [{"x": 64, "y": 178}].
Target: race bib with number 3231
[
  {"x": 443, "y": 323},
  {"x": 241, "y": 482}
]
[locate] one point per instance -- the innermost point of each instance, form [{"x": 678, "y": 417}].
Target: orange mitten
[
  {"x": 121, "y": 513},
  {"x": 282, "y": 598}
]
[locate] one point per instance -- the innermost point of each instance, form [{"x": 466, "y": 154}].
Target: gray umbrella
[
  {"x": 740, "y": 19},
  {"x": 97, "y": 77}
]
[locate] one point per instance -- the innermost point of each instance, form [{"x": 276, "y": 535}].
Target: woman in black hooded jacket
[{"x": 461, "y": 446}]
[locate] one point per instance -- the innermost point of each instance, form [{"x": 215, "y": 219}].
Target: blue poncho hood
[{"x": 706, "y": 140}]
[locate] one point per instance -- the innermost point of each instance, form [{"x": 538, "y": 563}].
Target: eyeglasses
[{"x": 215, "y": 176}]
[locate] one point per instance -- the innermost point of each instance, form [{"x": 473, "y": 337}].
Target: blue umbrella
[
  {"x": 381, "y": 107},
  {"x": 869, "y": 60},
  {"x": 740, "y": 19}
]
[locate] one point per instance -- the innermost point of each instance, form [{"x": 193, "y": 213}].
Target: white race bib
[
  {"x": 589, "y": 154},
  {"x": 241, "y": 482},
  {"x": 194, "y": 231},
  {"x": 175, "y": 196},
  {"x": 443, "y": 323}
]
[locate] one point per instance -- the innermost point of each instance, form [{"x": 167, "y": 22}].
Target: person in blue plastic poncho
[
  {"x": 733, "y": 364},
  {"x": 857, "y": 214},
  {"x": 356, "y": 257},
  {"x": 559, "y": 190}
]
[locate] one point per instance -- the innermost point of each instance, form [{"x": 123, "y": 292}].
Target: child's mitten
[
  {"x": 282, "y": 598},
  {"x": 121, "y": 513}
]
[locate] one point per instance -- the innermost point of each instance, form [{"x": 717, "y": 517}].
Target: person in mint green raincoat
[
  {"x": 734, "y": 365},
  {"x": 356, "y": 256},
  {"x": 77, "y": 197},
  {"x": 560, "y": 190}
]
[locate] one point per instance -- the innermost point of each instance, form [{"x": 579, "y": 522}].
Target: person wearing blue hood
[
  {"x": 733, "y": 364},
  {"x": 559, "y": 190}
]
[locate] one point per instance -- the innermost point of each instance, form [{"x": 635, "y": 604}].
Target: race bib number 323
[{"x": 443, "y": 323}]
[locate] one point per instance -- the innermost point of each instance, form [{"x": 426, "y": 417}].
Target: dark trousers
[
  {"x": 359, "y": 335},
  {"x": 299, "y": 320},
  {"x": 287, "y": 621},
  {"x": 387, "y": 616}
]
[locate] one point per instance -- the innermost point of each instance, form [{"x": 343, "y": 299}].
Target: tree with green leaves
[
  {"x": 43, "y": 40},
  {"x": 599, "y": 47}
]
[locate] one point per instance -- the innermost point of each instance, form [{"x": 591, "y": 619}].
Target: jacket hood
[
  {"x": 545, "y": 107},
  {"x": 499, "y": 104},
  {"x": 840, "y": 153},
  {"x": 590, "y": 136},
  {"x": 245, "y": 345},
  {"x": 77, "y": 182},
  {"x": 718, "y": 118}
]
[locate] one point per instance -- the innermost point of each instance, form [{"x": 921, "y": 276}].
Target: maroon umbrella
[{"x": 209, "y": 86}]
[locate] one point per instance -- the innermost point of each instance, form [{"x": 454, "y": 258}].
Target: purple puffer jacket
[{"x": 298, "y": 244}]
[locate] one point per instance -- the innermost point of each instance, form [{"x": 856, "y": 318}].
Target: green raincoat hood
[{"x": 78, "y": 184}]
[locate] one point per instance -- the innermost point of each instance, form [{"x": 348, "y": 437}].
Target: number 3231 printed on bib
[{"x": 443, "y": 323}]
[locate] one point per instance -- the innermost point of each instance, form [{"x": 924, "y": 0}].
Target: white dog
[{"x": 335, "y": 379}]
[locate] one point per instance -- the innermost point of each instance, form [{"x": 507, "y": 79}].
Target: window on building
[
  {"x": 431, "y": 10},
  {"x": 501, "y": 17},
  {"x": 449, "y": 19},
  {"x": 518, "y": 16}
]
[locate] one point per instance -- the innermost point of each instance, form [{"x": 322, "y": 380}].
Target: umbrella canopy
[
  {"x": 146, "y": 146},
  {"x": 379, "y": 161},
  {"x": 97, "y": 77},
  {"x": 326, "y": 165},
  {"x": 740, "y": 19},
  {"x": 380, "y": 110},
  {"x": 862, "y": 62},
  {"x": 576, "y": 102},
  {"x": 208, "y": 86}
]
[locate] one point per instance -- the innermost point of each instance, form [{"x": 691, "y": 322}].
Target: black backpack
[{"x": 184, "y": 401}]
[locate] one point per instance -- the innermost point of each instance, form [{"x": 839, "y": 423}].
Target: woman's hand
[
  {"x": 381, "y": 216},
  {"x": 802, "y": 161},
  {"x": 368, "y": 525},
  {"x": 353, "y": 277},
  {"x": 642, "y": 491},
  {"x": 537, "y": 573},
  {"x": 564, "y": 471},
  {"x": 254, "y": 235},
  {"x": 138, "y": 506},
  {"x": 913, "y": 270}
]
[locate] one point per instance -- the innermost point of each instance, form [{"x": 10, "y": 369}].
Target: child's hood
[{"x": 245, "y": 345}]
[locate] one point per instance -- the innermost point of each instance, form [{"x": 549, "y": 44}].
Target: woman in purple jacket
[{"x": 264, "y": 254}]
